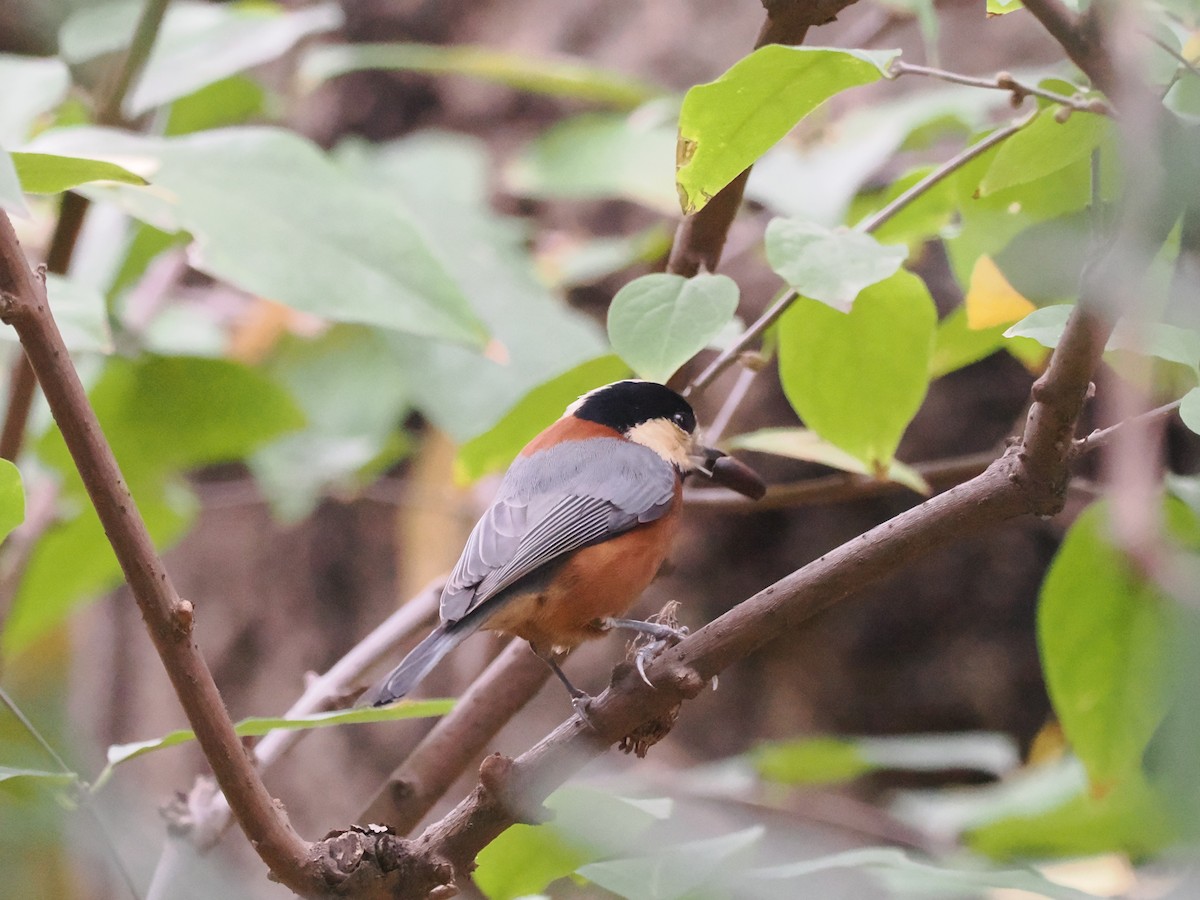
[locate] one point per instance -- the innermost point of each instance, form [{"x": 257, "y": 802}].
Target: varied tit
[{"x": 580, "y": 526}]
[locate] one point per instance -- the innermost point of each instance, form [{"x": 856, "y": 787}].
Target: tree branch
[
  {"x": 1003, "y": 81},
  {"x": 168, "y": 618},
  {"x": 72, "y": 212},
  {"x": 700, "y": 238},
  {"x": 511, "y": 681}
]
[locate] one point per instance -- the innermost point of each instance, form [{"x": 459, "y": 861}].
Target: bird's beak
[{"x": 726, "y": 471}]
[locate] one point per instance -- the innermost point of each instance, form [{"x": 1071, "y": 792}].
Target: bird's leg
[
  {"x": 580, "y": 700},
  {"x": 663, "y": 636}
]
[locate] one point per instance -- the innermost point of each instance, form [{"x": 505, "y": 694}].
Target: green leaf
[
  {"x": 198, "y": 43},
  {"x": 956, "y": 345},
  {"x": 904, "y": 875},
  {"x": 1158, "y": 339},
  {"x": 354, "y": 392},
  {"x": 161, "y": 415},
  {"x": 496, "y": 448},
  {"x": 805, "y": 444},
  {"x": 1131, "y": 818},
  {"x": 726, "y": 125},
  {"x": 12, "y": 498},
  {"x": 1044, "y": 147},
  {"x": 568, "y": 78},
  {"x": 826, "y": 760},
  {"x": 33, "y": 86},
  {"x": 678, "y": 870},
  {"x": 58, "y": 779},
  {"x": 858, "y": 378},
  {"x": 43, "y": 173},
  {"x": 658, "y": 322},
  {"x": 827, "y": 265},
  {"x": 1003, "y": 7},
  {"x": 272, "y": 215},
  {"x": 231, "y": 101},
  {"x": 1104, "y": 633},
  {"x": 257, "y": 726},
  {"x": 1189, "y": 410},
  {"x": 599, "y": 156},
  {"x": 588, "y": 824},
  {"x": 809, "y": 761},
  {"x": 80, "y": 313},
  {"x": 444, "y": 180},
  {"x": 575, "y": 263}
]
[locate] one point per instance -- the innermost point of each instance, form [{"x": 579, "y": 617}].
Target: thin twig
[
  {"x": 873, "y": 222},
  {"x": 868, "y": 225},
  {"x": 730, "y": 355},
  {"x": 839, "y": 488},
  {"x": 81, "y": 790},
  {"x": 1172, "y": 52},
  {"x": 1003, "y": 81},
  {"x": 1102, "y": 436}
]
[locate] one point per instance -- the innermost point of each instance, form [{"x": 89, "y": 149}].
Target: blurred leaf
[
  {"x": 443, "y": 179},
  {"x": 12, "y": 498},
  {"x": 1167, "y": 342},
  {"x": 588, "y": 824},
  {"x": 42, "y": 173},
  {"x": 198, "y": 43},
  {"x": 161, "y": 415},
  {"x": 11, "y": 196},
  {"x": 809, "y": 761},
  {"x": 831, "y": 760},
  {"x": 354, "y": 392},
  {"x": 904, "y": 875},
  {"x": 272, "y": 215},
  {"x": 496, "y": 448},
  {"x": 727, "y": 124},
  {"x": 257, "y": 726},
  {"x": 570, "y": 263},
  {"x": 802, "y": 443},
  {"x": 677, "y": 870},
  {"x": 230, "y": 101},
  {"x": 858, "y": 378},
  {"x": 73, "y": 562},
  {"x": 1003, "y": 7},
  {"x": 1189, "y": 410},
  {"x": 658, "y": 322},
  {"x": 600, "y": 156},
  {"x": 59, "y": 779},
  {"x": 1130, "y": 818},
  {"x": 80, "y": 314},
  {"x": 1043, "y": 147},
  {"x": 990, "y": 300},
  {"x": 1104, "y": 633},
  {"x": 561, "y": 77},
  {"x": 826, "y": 265},
  {"x": 957, "y": 345},
  {"x": 33, "y": 85}
]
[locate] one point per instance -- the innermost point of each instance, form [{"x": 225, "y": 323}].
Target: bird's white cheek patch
[{"x": 666, "y": 439}]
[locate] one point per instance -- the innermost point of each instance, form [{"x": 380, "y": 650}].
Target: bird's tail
[{"x": 419, "y": 662}]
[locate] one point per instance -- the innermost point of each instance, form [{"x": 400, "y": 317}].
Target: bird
[{"x": 580, "y": 525}]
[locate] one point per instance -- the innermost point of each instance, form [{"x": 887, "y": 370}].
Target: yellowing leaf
[{"x": 991, "y": 300}]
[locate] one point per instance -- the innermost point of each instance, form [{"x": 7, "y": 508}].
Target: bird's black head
[{"x": 624, "y": 405}]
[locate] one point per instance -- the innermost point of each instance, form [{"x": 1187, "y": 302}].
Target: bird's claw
[
  {"x": 663, "y": 639},
  {"x": 582, "y": 704}
]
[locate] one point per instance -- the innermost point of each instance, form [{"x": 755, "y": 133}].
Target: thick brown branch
[
  {"x": 1081, "y": 37},
  {"x": 167, "y": 616}
]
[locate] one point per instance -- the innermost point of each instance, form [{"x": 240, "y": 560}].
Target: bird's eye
[{"x": 679, "y": 419}]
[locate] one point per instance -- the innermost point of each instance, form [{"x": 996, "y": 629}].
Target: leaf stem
[
  {"x": 1003, "y": 81},
  {"x": 874, "y": 222}
]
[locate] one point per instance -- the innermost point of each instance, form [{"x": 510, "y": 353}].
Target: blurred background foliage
[{"x": 343, "y": 260}]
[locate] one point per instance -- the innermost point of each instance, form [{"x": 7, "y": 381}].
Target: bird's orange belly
[{"x": 596, "y": 583}]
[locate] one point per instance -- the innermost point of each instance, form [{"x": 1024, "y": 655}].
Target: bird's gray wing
[{"x": 559, "y": 500}]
